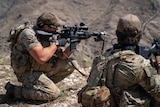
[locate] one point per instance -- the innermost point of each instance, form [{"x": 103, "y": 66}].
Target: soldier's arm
[
  {"x": 37, "y": 51},
  {"x": 41, "y": 54},
  {"x": 150, "y": 82}
]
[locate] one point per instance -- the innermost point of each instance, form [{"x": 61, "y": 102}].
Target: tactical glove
[{"x": 61, "y": 42}]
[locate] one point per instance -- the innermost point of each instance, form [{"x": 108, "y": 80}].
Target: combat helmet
[
  {"x": 48, "y": 19},
  {"x": 129, "y": 30},
  {"x": 129, "y": 20}
]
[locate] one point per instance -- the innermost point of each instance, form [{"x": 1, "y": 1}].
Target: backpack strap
[
  {"x": 15, "y": 32},
  {"x": 104, "y": 76}
]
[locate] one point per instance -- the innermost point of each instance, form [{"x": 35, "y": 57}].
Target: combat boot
[
  {"x": 10, "y": 90},
  {"x": 9, "y": 96}
]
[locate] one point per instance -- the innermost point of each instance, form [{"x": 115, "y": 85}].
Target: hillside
[{"x": 99, "y": 15}]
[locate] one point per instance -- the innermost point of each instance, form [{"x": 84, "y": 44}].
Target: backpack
[
  {"x": 126, "y": 67},
  {"x": 129, "y": 61},
  {"x": 121, "y": 59},
  {"x": 15, "y": 32}
]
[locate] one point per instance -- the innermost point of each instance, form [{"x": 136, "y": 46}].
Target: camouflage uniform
[
  {"x": 38, "y": 81},
  {"x": 130, "y": 77}
]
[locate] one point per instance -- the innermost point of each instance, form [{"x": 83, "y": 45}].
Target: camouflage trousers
[
  {"x": 41, "y": 85},
  {"x": 134, "y": 96}
]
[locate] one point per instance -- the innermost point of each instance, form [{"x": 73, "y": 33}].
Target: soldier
[
  {"x": 131, "y": 79},
  {"x": 39, "y": 63}
]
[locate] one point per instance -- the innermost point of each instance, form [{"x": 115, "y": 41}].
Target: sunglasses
[{"x": 52, "y": 26}]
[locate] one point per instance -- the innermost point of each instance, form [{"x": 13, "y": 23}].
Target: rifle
[
  {"x": 77, "y": 33},
  {"x": 74, "y": 33},
  {"x": 154, "y": 49}
]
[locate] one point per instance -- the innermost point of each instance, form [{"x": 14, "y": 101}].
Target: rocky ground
[{"x": 69, "y": 88}]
